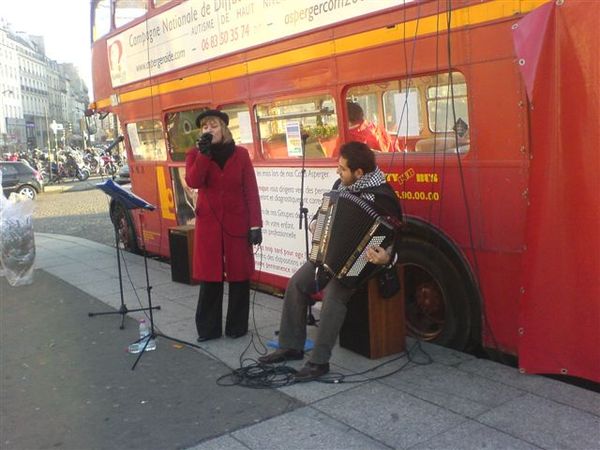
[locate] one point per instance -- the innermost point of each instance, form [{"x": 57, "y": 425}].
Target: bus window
[
  {"x": 414, "y": 115},
  {"x": 182, "y": 132},
  {"x": 146, "y": 139},
  {"x": 101, "y": 19},
  {"x": 285, "y": 124},
  {"x": 127, "y": 10},
  {"x": 363, "y": 105},
  {"x": 447, "y": 130},
  {"x": 439, "y": 108},
  {"x": 240, "y": 126}
]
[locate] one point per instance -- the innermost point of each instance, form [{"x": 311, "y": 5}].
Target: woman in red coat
[{"x": 228, "y": 223}]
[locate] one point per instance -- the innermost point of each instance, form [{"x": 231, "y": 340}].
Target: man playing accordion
[{"x": 359, "y": 175}]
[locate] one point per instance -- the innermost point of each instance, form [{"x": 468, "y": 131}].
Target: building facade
[{"x": 36, "y": 92}]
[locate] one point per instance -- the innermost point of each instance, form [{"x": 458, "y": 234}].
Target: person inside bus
[
  {"x": 228, "y": 224},
  {"x": 362, "y": 130},
  {"x": 359, "y": 174}
]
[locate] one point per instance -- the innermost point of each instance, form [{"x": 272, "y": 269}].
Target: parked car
[
  {"x": 19, "y": 177},
  {"x": 123, "y": 175}
]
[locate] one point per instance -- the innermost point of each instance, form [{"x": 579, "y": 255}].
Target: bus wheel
[
  {"x": 436, "y": 301},
  {"x": 125, "y": 230}
]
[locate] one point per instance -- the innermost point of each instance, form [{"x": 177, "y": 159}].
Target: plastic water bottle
[
  {"x": 145, "y": 335},
  {"x": 137, "y": 347}
]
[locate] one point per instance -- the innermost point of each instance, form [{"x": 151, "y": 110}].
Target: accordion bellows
[{"x": 346, "y": 226}]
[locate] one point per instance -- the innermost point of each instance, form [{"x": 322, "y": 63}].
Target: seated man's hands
[{"x": 378, "y": 255}]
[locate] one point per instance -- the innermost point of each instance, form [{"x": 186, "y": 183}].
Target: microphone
[
  {"x": 206, "y": 138},
  {"x": 203, "y": 143}
]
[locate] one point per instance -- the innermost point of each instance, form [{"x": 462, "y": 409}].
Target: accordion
[{"x": 346, "y": 227}]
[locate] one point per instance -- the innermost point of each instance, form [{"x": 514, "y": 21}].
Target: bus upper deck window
[
  {"x": 101, "y": 19},
  {"x": 127, "y": 10}
]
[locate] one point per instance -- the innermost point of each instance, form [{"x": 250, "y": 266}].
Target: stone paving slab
[
  {"x": 464, "y": 393},
  {"x": 473, "y": 436},
  {"x": 546, "y": 423},
  {"x": 303, "y": 429},
  {"x": 396, "y": 418}
]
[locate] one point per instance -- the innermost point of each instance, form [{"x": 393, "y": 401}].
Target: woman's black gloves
[
  {"x": 203, "y": 143},
  {"x": 255, "y": 236}
]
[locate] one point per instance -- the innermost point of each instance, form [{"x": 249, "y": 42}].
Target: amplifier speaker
[
  {"x": 374, "y": 326},
  {"x": 181, "y": 245}
]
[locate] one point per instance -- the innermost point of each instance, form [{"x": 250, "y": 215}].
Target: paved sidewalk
[{"x": 456, "y": 402}]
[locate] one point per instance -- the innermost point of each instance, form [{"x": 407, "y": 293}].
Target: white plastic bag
[{"x": 17, "y": 244}]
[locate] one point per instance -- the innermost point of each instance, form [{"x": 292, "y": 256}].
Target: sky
[{"x": 64, "y": 24}]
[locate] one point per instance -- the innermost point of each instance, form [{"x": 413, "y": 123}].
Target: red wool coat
[{"x": 228, "y": 205}]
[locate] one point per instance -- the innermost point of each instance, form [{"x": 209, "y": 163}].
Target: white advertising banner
[
  {"x": 199, "y": 30},
  {"x": 283, "y": 247}
]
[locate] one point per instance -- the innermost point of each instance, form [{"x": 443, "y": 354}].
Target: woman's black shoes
[
  {"x": 236, "y": 335},
  {"x": 210, "y": 338}
]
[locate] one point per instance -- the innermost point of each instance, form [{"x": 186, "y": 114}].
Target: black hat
[{"x": 212, "y": 113}]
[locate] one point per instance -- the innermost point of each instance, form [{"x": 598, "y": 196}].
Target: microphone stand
[
  {"x": 153, "y": 333},
  {"x": 303, "y": 218},
  {"x": 123, "y": 310}
]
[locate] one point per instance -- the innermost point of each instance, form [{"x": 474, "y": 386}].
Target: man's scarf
[{"x": 368, "y": 180}]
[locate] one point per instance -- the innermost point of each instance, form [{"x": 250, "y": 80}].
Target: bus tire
[
  {"x": 121, "y": 220},
  {"x": 437, "y": 306}
]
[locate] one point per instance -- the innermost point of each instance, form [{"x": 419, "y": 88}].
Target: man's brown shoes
[
  {"x": 311, "y": 371},
  {"x": 281, "y": 355}
]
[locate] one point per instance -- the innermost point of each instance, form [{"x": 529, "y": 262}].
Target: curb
[{"x": 69, "y": 186}]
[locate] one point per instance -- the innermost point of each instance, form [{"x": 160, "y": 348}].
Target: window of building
[
  {"x": 285, "y": 126},
  {"x": 411, "y": 115},
  {"x": 128, "y": 10},
  {"x": 147, "y": 140}
]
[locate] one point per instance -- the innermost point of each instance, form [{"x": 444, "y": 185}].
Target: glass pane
[
  {"x": 182, "y": 132},
  {"x": 440, "y": 113},
  {"x": 439, "y": 104},
  {"x": 127, "y": 10},
  {"x": 285, "y": 125},
  {"x": 402, "y": 112},
  {"x": 240, "y": 126},
  {"x": 101, "y": 19},
  {"x": 147, "y": 142},
  {"x": 365, "y": 122}
]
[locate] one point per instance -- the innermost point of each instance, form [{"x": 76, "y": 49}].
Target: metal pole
[{"x": 47, "y": 125}]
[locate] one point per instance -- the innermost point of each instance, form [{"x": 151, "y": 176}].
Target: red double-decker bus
[{"x": 492, "y": 108}]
